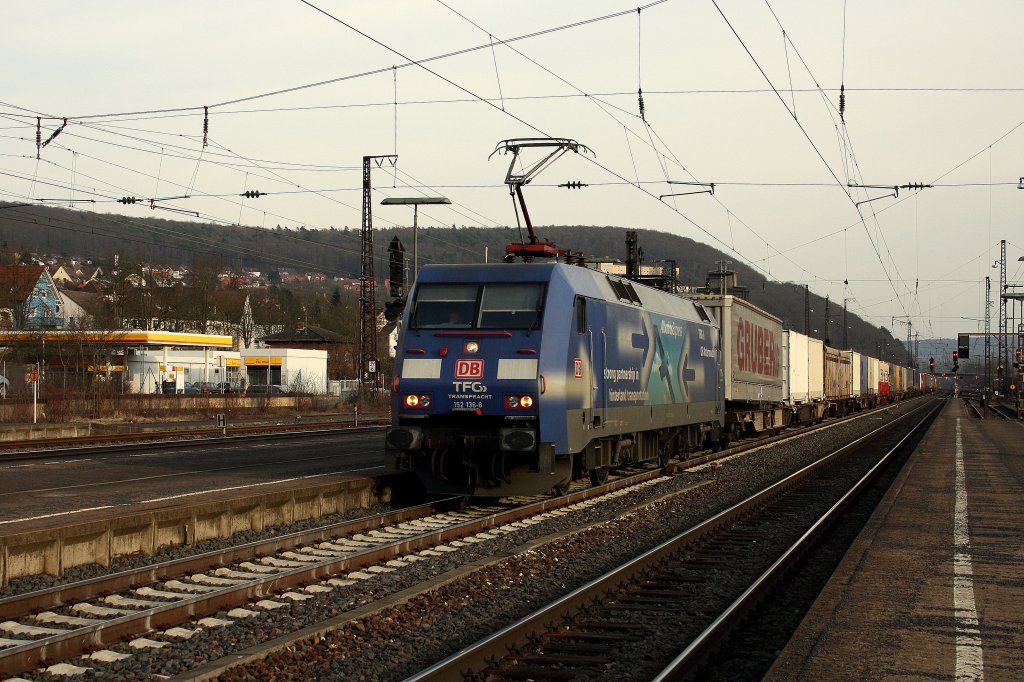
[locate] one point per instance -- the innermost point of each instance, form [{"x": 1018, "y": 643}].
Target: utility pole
[
  {"x": 807, "y": 311},
  {"x": 826, "y": 338},
  {"x": 846, "y": 336},
  {"x": 722, "y": 285},
  {"x": 632, "y": 256},
  {"x": 911, "y": 359},
  {"x": 988, "y": 334},
  {"x": 1001, "y": 367},
  {"x": 369, "y": 369},
  {"x": 910, "y": 350}
]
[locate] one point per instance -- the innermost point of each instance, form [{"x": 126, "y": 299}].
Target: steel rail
[
  {"x": 91, "y": 445},
  {"x": 687, "y": 662},
  {"x": 18, "y": 659},
  {"x": 478, "y": 656}
]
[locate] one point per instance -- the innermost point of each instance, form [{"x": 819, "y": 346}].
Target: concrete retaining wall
[
  {"x": 30, "y": 432},
  {"x": 55, "y": 550}
]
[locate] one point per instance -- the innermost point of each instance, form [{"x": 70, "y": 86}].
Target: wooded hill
[{"x": 66, "y": 233}]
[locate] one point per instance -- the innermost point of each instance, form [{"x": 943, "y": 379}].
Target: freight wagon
[
  {"x": 838, "y": 381},
  {"x": 752, "y": 347},
  {"x": 803, "y": 375}
]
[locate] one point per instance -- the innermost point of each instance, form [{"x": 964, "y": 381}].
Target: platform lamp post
[{"x": 415, "y": 203}]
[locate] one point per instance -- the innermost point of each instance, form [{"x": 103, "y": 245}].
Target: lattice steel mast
[
  {"x": 988, "y": 334},
  {"x": 1002, "y": 316},
  {"x": 369, "y": 368}
]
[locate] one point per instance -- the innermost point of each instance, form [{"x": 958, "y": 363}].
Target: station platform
[{"x": 933, "y": 587}]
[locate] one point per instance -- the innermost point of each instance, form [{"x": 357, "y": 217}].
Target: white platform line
[
  {"x": 255, "y": 485},
  {"x": 66, "y": 513},
  {"x": 969, "y": 661}
]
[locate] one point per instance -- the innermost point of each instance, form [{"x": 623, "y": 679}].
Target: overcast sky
[{"x": 741, "y": 94}]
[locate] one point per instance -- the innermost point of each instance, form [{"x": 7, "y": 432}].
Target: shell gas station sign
[{"x": 262, "y": 361}]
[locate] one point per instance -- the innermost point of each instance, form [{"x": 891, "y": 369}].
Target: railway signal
[
  {"x": 931, "y": 365},
  {"x": 963, "y": 345}
]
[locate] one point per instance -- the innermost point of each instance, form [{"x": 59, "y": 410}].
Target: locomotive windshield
[{"x": 478, "y": 306}]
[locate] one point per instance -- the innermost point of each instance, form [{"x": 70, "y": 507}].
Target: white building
[
  {"x": 302, "y": 370},
  {"x": 168, "y": 369}
]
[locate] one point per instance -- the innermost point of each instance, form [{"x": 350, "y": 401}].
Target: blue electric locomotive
[{"x": 515, "y": 378}]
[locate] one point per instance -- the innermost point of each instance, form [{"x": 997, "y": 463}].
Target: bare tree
[{"x": 246, "y": 326}]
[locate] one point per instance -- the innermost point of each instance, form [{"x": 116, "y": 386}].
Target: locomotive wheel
[{"x": 599, "y": 475}]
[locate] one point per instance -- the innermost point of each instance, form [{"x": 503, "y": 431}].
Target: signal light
[
  {"x": 931, "y": 365},
  {"x": 419, "y": 401},
  {"x": 252, "y": 194},
  {"x": 515, "y": 402},
  {"x": 955, "y": 356}
]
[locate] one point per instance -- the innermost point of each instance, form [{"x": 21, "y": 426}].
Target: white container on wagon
[
  {"x": 855, "y": 369},
  {"x": 797, "y": 380},
  {"x": 873, "y": 376},
  {"x": 815, "y": 369}
]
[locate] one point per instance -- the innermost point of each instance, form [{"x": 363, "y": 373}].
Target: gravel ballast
[{"x": 394, "y": 643}]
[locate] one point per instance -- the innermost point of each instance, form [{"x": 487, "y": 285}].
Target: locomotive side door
[{"x": 590, "y": 363}]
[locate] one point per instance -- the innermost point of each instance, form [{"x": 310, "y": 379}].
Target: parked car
[
  {"x": 205, "y": 387},
  {"x": 227, "y": 387},
  {"x": 268, "y": 389}
]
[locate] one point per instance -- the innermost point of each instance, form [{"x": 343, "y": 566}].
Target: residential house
[
  {"x": 29, "y": 298},
  {"x": 81, "y": 307},
  {"x": 88, "y": 273},
  {"x": 60, "y": 276},
  {"x": 340, "y": 354}
]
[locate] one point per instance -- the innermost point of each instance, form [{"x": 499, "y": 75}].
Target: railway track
[
  {"x": 63, "y": 622},
  {"x": 614, "y": 621},
  {"x": 1002, "y": 411},
  {"x": 11, "y": 450}
]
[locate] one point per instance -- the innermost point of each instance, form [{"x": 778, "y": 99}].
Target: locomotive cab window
[
  {"x": 511, "y": 306},
  {"x": 475, "y": 306},
  {"x": 445, "y": 306},
  {"x": 581, "y": 315}
]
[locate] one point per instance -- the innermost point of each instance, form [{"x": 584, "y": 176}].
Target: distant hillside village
[{"x": 154, "y": 328}]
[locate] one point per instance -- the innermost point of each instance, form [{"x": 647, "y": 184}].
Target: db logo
[
  {"x": 469, "y": 369},
  {"x": 577, "y": 365}
]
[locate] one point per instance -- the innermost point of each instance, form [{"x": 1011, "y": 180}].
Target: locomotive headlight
[
  {"x": 513, "y": 402},
  {"x": 472, "y": 346},
  {"x": 413, "y": 400}
]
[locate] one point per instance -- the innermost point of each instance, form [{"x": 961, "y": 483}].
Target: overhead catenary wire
[
  {"x": 605, "y": 108},
  {"x": 207, "y": 185},
  {"x": 807, "y": 136}
]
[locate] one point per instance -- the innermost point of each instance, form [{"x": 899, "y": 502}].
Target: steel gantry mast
[
  {"x": 369, "y": 368},
  {"x": 1002, "y": 366},
  {"x": 988, "y": 334}
]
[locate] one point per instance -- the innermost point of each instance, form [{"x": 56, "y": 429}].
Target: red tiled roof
[{"x": 18, "y": 281}]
